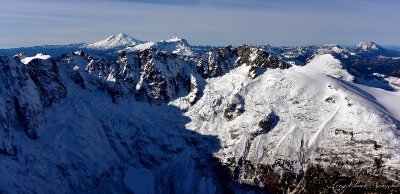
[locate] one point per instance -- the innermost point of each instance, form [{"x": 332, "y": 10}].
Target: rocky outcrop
[
  {"x": 220, "y": 61},
  {"x": 159, "y": 76},
  {"x": 395, "y": 73},
  {"x": 259, "y": 60},
  {"x": 380, "y": 64},
  {"x": 44, "y": 74},
  {"x": 61, "y": 102},
  {"x": 268, "y": 122},
  {"x": 21, "y": 103}
]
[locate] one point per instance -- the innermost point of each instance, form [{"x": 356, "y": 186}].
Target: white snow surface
[
  {"x": 86, "y": 135},
  {"x": 130, "y": 144},
  {"x": 26, "y": 60},
  {"x": 174, "y": 45},
  {"x": 330, "y": 48},
  {"x": 368, "y": 46},
  {"x": 115, "y": 41},
  {"x": 327, "y": 64},
  {"x": 317, "y": 108}
]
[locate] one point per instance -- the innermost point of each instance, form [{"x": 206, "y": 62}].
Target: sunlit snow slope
[
  {"x": 120, "y": 40},
  {"x": 317, "y": 120},
  {"x": 166, "y": 118}
]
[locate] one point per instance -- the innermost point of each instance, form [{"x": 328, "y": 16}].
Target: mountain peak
[
  {"x": 115, "y": 41},
  {"x": 25, "y": 60},
  {"x": 122, "y": 36},
  {"x": 371, "y": 46},
  {"x": 175, "y": 39}
]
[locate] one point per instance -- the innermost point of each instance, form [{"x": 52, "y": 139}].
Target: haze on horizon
[{"x": 205, "y": 22}]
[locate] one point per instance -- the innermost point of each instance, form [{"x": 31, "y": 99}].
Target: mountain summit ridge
[
  {"x": 228, "y": 119},
  {"x": 115, "y": 41},
  {"x": 368, "y": 46}
]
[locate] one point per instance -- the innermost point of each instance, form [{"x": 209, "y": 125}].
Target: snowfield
[
  {"x": 26, "y": 60},
  {"x": 164, "y": 117},
  {"x": 174, "y": 45},
  {"x": 120, "y": 40},
  {"x": 321, "y": 117}
]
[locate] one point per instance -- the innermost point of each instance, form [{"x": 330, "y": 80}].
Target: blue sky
[{"x": 212, "y": 22}]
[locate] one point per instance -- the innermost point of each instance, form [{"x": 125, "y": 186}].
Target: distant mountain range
[
  {"x": 128, "y": 116},
  {"x": 121, "y": 41}
]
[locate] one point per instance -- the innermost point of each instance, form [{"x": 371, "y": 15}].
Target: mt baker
[{"x": 128, "y": 116}]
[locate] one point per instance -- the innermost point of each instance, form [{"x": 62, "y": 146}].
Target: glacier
[{"x": 170, "y": 117}]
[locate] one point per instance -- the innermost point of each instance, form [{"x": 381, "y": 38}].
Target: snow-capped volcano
[
  {"x": 120, "y": 40},
  {"x": 163, "y": 117}
]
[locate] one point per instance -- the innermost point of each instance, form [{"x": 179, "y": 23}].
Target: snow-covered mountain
[
  {"x": 26, "y": 60},
  {"x": 53, "y": 50},
  {"x": 120, "y": 40},
  {"x": 299, "y": 124},
  {"x": 372, "y": 50},
  {"x": 169, "y": 117},
  {"x": 372, "y": 46},
  {"x": 174, "y": 45}
]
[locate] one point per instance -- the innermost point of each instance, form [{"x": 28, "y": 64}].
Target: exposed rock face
[
  {"x": 396, "y": 74},
  {"x": 27, "y": 90},
  {"x": 258, "y": 60},
  {"x": 159, "y": 76},
  {"x": 384, "y": 65},
  {"x": 238, "y": 111},
  {"x": 296, "y": 122},
  {"x": 163, "y": 75},
  {"x": 220, "y": 61},
  {"x": 268, "y": 122},
  {"x": 44, "y": 74},
  {"x": 149, "y": 74},
  {"x": 22, "y": 103},
  {"x": 232, "y": 111}
]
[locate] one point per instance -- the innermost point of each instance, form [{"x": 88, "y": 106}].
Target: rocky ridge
[{"x": 237, "y": 119}]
